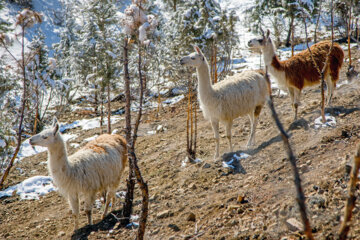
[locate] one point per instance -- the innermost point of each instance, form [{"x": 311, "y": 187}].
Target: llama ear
[
  {"x": 267, "y": 33},
  {"x": 56, "y": 129},
  {"x": 198, "y": 50}
]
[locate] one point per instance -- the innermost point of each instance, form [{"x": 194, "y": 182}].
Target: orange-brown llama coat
[{"x": 300, "y": 70}]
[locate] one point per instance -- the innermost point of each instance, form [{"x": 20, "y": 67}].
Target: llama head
[
  {"x": 195, "y": 59},
  {"x": 48, "y": 136},
  {"x": 261, "y": 42}
]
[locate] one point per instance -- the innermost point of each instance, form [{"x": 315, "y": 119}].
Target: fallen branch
[
  {"x": 350, "y": 203},
  {"x": 300, "y": 197}
]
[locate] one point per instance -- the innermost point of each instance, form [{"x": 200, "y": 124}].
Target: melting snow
[
  {"x": 87, "y": 124},
  {"x": 91, "y": 138},
  {"x": 231, "y": 162},
  {"x": 186, "y": 160},
  {"x": 330, "y": 121},
  {"x": 30, "y": 188}
]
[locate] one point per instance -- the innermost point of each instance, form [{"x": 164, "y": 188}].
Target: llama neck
[
  {"x": 205, "y": 89},
  {"x": 58, "y": 161},
  {"x": 269, "y": 55},
  {"x": 275, "y": 67}
]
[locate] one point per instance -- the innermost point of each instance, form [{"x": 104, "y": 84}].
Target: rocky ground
[{"x": 205, "y": 200}]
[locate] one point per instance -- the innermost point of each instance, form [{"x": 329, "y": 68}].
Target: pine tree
[{"x": 282, "y": 14}]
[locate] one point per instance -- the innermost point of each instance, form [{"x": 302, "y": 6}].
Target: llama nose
[
  {"x": 181, "y": 61},
  {"x": 31, "y": 141}
]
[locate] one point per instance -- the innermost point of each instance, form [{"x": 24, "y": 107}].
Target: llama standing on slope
[
  {"x": 238, "y": 95},
  {"x": 97, "y": 167},
  {"x": 299, "y": 71}
]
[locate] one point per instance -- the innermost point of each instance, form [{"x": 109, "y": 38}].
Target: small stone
[
  {"x": 318, "y": 201},
  {"x": 206, "y": 165},
  {"x": 233, "y": 206},
  {"x": 348, "y": 167},
  {"x": 294, "y": 225},
  {"x": 174, "y": 227},
  {"x": 164, "y": 214},
  {"x": 192, "y": 186},
  {"x": 191, "y": 217},
  {"x": 241, "y": 199},
  {"x": 233, "y": 222},
  {"x": 61, "y": 234}
]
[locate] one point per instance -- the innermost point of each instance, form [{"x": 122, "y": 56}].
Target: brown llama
[{"x": 300, "y": 71}]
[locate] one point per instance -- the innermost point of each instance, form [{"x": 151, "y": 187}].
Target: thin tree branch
[
  {"x": 300, "y": 197},
  {"x": 350, "y": 202}
]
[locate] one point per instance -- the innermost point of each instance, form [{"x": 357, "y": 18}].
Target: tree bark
[
  {"x": 22, "y": 110},
  {"x": 127, "y": 209},
  {"x": 287, "y": 44}
]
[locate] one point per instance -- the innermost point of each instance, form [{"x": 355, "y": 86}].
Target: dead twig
[{"x": 350, "y": 202}]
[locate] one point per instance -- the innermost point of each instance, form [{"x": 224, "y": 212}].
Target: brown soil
[{"x": 205, "y": 200}]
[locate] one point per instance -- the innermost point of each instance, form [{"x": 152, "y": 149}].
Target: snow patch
[
  {"x": 235, "y": 158},
  {"x": 187, "y": 160},
  {"x": 31, "y": 188},
  {"x": 87, "y": 124},
  {"x": 330, "y": 122},
  {"x": 91, "y": 138}
]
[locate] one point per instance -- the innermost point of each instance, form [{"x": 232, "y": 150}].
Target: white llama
[
  {"x": 97, "y": 167},
  {"x": 242, "y": 94},
  {"x": 299, "y": 71}
]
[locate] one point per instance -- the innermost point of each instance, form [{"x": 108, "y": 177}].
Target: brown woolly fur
[
  {"x": 300, "y": 70},
  {"x": 303, "y": 69},
  {"x": 116, "y": 141}
]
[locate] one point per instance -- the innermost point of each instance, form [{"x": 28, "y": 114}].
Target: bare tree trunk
[
  {"x": 349, "y": 35},
  {"x": 22, "y": 110},
  {"x": 134, "y": 170},
  {"x": 127, "y": 209},
  {"x": 133, "y": 159},
  {"x": 287, "y": 44},
  {"x": 191, "y": 125},
  {"x": 292, "y": 39},
  {"x": 109, "y": 108}
]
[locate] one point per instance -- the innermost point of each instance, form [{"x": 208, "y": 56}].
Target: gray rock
[
  {"x": 191, "y": 217},
  {"x": 317, "y": 200},
  {"x": 174, "y": 227},
  {"x": 164, "y": 214},
  {"x": 294, "y": 225}
]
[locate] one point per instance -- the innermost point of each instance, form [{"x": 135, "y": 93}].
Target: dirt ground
[{"x": 205, "y": 200}]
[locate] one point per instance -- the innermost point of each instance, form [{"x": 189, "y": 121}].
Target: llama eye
[
  {"x": 193, "y": 58},
  {"x": 44, "y": 137}
]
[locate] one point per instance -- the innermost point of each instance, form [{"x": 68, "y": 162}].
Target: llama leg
[
  {"x": 89, "y": 201},
  {"x": 330, "y": 89},
  {"x": 294, "y": 107},
  {"x": 253, "y": 122},
  {"x": 109, "y": 198},
  {"x": 228, "y": 133},
  {"x": 74, "y": 204},
  {"x": 297, "y": 94},
  {"x": 215, "y": 126}
]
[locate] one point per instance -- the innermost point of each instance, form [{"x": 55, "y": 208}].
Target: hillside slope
[{"x": 201, "y": 201}]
